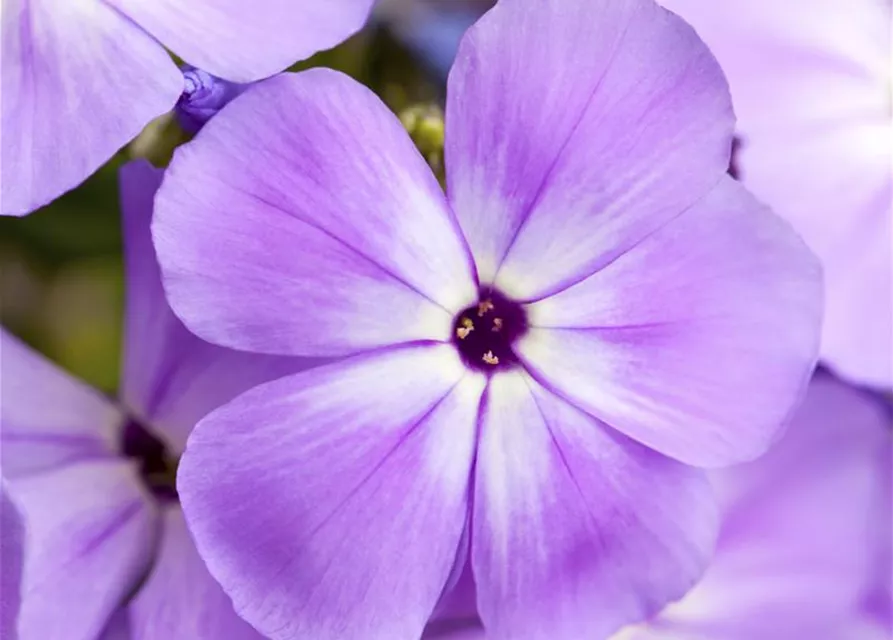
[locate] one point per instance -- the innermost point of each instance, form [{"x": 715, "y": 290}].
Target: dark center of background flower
[
  {"x": 484, "y": 333},
  {"x": 158, "y": 467}
]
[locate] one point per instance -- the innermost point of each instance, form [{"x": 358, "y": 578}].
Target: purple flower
[
  {"x": 811, "y": 84},
  {"x": 11, "y": 551},
  {"x": 803, "y": 534},
  {"x": 203, "y": 96},
  {"x": 531, "y": 368},
  {"x": 93, "y": 478},
  {"x": 80, "y": 78}
]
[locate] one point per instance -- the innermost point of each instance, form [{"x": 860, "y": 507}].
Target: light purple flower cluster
[{"x": 534, "y": 406}]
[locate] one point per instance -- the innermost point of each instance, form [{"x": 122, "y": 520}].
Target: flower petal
[
  {"x": 698, "y": 342},
  {"x": 819, "y": 151},
  {"x": 277, "y": 485},
  {"x": 171, "y": 378},
  {"x": 12, "y": 541},
  {"x": 792, "y": 559},
  {"x": 574, "y": 129},
  {"x": 577, "y": 529},
  {"x": 303, "y": 221},
  {"x": 78, "y": 82},
  {"x": 118, "y": 627},
  {"x": 90, "y": 533},
  {"x": 247, "y": 41},
  {"x": 180, "y": 599},
  {"x": 47, "y": 417}
]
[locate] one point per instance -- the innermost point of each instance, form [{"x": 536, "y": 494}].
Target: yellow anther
[
  {"x": 466, "y": 328},
  {"x": 490, "y": 359},
  {"x": 497, "y": 324},
  {"x": 484, "y": 307}
]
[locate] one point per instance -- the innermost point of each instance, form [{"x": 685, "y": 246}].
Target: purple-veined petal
[
  {"x": 90, "y": 532},
  {"x": 180, "y": 599},
  {"x": 79, "y": 81},
  {"x": 47, "y": 417},
  {"x": 574, "y": 129},
  {"x": 811, "y": 83},
  {"x": 794, "y": 555},
  {"x": 577, "y": 529},
  {"x": 12, "y": 540},
  {"x": 303, "y": 221},
  {"x": 244, "y": 41},
  {"x": 171, "y": 378},
  {"x": 697, "y": 342},
  {"x": 330, "y": 504}
]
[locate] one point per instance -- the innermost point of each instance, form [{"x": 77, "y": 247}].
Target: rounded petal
[
  {"x": 48, "y": 418},
  {"x": 302, "y": 220},
  {"x": 79, "y": 81},
  {"x": 574, "y": 129},
  {"x": 90, "y": 533},
  {"x": 180, "y": 599},
  {"x": 245, "y": 41},
  {"x": 699, "y": 341},
  {"x": 278, "y": 485},
  {"x": 794, "y": 555},
  {"x": 171, "y": 378},
  {"x": 577, "y": 529},
  {"x": 12, "y": 541},
  {"x": 811, "y": 82}
]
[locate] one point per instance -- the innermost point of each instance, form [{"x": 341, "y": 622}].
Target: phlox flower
[
  {"x": 812, "y": 85},
  {"x": 534, "y": 368},
  {"x": 803, "y": 550},
  {"x": 107, "y": 552},
  {"x": 80, "y": 78}
]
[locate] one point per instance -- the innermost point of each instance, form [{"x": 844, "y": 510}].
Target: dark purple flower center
[
  {"x": 484, "y": 333},
  {"x": 158, "y": 467}
]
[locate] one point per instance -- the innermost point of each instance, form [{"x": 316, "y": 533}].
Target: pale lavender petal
[
  {"x": 180, "y": 599},
  {"x": 574, "y": 129},
  {"x": 811, "y": 83},
  {"x": 245, "y": 41},
  {"x": 47, "y": 417},
  {"x": 171, "y": 378},
  {"x": 302, "y": 220},
  {"x": 330, "y": 504},
  {"x": 78, "y": 82},
  {"x": 12, "y": 540},
  {"x": 90, "y": 532},
  {"x": 699, "y": 341},
  {"x": 795, "y": 551},
  {"x": 577, "y": 529}
]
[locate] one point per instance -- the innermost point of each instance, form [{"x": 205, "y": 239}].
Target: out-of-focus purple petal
[
  {"x": 244, "y": 41},
  {"x": 12, "y": 540},
  {"x": 180, "y": 599},
  {"x": 811, "y": 83},
  {"x": 302, "y": 220},
  {"x": 171, "y": 378},
  {"x": 79, "y": 81},
  {"x": 47, "y": 417},
  {"x": 330, "y": 504},
  {"x": 574, "y": 129},
  {"x": 798, "y": 542},
  {"x": 203, "y": 97},
  {"x": 432, "y": 29},
  {"x": 90, "y": 532},
  {"x": 577, "y": 529},
  {"x": 697, "y": 342},
  {"x": 118, "y": 627}
]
